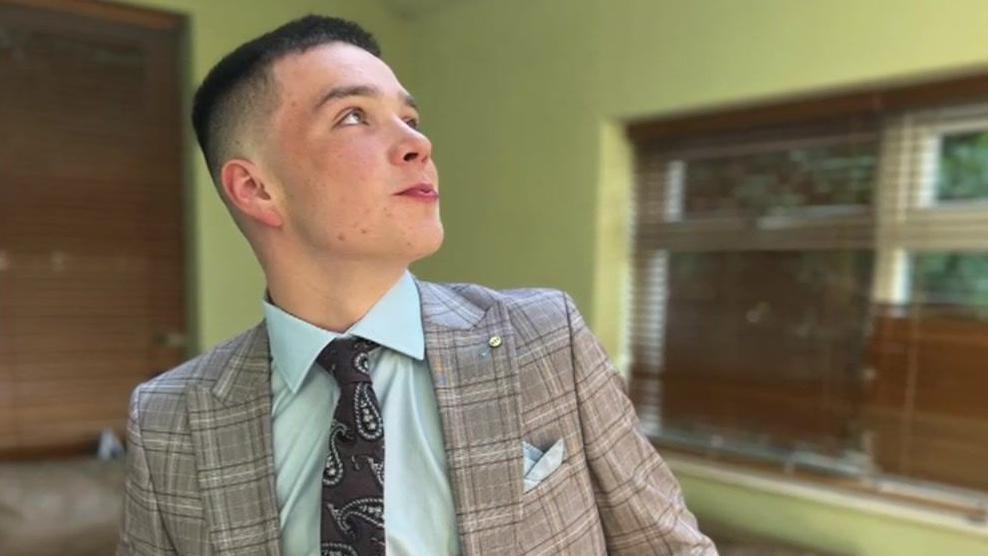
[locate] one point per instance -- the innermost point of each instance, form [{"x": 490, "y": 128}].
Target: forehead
[{"x": 308, "y": 75}]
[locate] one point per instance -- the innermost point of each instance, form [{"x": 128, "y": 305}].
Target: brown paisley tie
[{"x": 353, "y": 479}]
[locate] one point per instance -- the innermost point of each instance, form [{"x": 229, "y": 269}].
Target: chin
[{"x": 426, "y": 243}]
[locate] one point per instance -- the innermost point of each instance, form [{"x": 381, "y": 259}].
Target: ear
[{"x": 245, "y": 189}]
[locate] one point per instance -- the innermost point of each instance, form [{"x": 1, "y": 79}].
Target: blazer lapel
[
  {"x": 477, "y": 389},
  {"x": 230, "y": 424}
]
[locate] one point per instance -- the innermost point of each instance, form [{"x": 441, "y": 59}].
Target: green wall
[
  {"x": 510, "y": 99},
  {"x": 525, "y": 101},
  {"x": 225, "y": 282}
]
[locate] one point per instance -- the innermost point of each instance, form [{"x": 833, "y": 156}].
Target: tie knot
[{"x": 348, "y": 359}]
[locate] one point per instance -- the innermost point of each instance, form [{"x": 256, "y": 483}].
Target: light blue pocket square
[{"x": 540, "y": 465}]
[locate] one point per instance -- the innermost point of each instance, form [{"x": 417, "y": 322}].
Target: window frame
[{"x": 901, "y": 207}]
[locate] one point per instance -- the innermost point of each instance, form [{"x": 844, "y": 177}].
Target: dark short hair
[{"x": 240, "y": 87}]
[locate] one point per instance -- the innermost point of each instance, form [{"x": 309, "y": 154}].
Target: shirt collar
[{"x": 395, "y": 322}]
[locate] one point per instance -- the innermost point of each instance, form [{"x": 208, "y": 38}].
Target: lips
[
  {"x": 418, "y": 188},
  {"x": 420, "y": 191}
]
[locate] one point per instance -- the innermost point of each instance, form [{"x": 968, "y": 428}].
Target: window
[
  {"x": 92, "y": 269},
  {"x": 811, "y": 286}
]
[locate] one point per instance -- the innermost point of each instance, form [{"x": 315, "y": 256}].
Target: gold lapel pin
[{"x": 495, "y": 341}]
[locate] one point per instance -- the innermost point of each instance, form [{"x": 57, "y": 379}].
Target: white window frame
[{"x": 909, "y": 218}]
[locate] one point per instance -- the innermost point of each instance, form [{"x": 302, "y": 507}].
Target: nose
[{"x": 412, "y": 147}]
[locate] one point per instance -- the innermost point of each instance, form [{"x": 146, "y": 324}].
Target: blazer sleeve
[
  {"x": 640, "y": 502},
  {"x": 142, "y": 531}
]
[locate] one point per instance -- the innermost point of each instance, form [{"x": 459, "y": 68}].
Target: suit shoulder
[
  {"x": 539, "y": 300},
  {"x": 168, "y": 388},
  {"x": 542, "y": 303}
]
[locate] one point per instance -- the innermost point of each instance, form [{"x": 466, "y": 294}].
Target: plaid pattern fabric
[{"x": 201, "y": 477}]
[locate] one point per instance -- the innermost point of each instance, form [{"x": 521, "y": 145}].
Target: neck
[{"x": 331, "y": 295}]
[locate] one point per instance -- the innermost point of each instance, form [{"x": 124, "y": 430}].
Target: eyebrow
[{"x": 345, "y": 91}]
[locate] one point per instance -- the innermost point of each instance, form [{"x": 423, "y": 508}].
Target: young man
[{"x": 371, "y": 411}]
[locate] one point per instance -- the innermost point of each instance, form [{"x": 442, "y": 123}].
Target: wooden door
[{"x": 92, "y": 296}]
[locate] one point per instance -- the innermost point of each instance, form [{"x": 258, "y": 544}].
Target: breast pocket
[
  {"x": 540, "y": 466},
  {"x": 557, "y": 504}
]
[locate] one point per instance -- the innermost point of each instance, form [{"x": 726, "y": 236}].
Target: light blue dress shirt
[{"x": 418, "y": 505}]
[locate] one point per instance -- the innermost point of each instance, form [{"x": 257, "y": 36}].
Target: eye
[
  {"x": 354, "y": 117},
  {"x": 412, "y": 123}
]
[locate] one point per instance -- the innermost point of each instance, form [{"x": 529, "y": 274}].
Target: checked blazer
[{"x": 200, "y": 474}]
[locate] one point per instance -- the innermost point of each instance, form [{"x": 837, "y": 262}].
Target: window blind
[
  {"x": 811, "y": 283},
  {"x": 91, "y": 254}
]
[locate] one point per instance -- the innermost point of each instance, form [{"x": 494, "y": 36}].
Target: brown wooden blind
[
  {"x": 811, "y": 282},
  {"x": 91, "y": 257}
]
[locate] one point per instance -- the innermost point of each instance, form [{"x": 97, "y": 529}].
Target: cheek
[
  {"x": 359, "y": 188},
  {"x": 338, "y": 186},
  {"x": 349, "y": 171},
  {"x": 346, "y": 194},
  {"x": 351, "y": 210}
]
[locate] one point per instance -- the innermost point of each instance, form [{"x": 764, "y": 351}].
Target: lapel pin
[{"x": 495, "y": 341}]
